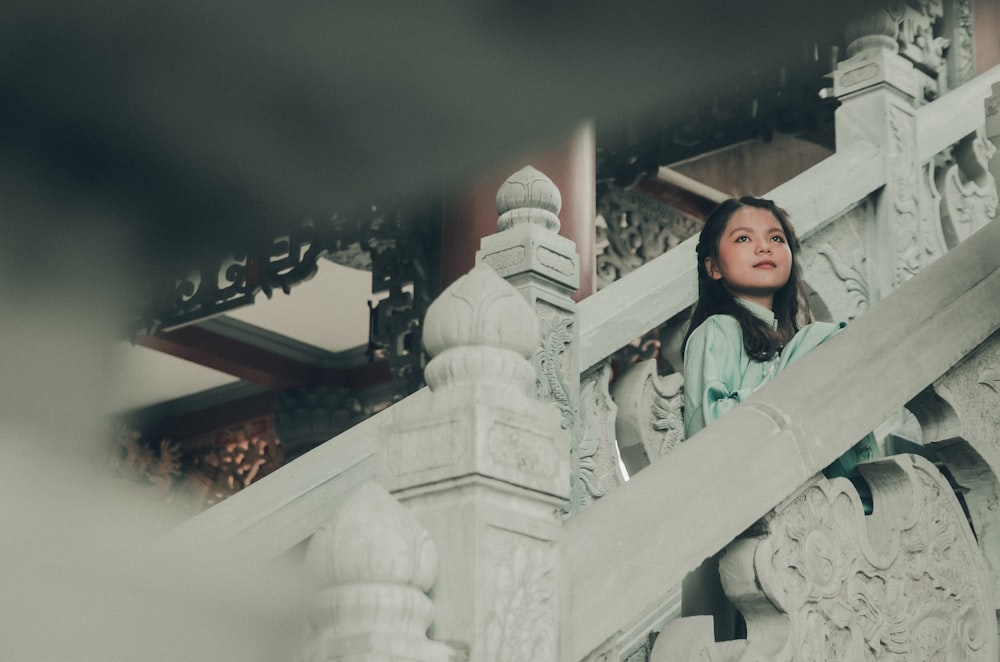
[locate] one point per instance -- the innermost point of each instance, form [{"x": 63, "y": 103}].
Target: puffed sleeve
[{"x": 712, "y": 372}]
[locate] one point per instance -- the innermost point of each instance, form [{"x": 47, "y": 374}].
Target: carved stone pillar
[
  {"x": 544, "y": 267},
  {"x": 374, "y": 564},
  {"x": 879, "y": 90},
  {"x": 485, "y": 467}
]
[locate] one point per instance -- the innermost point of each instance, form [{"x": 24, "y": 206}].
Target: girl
[{"x": 751, "y": 319}]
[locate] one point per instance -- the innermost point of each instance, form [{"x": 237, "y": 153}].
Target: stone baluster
[
  {"x": 879, "y": 90},
  {"x": 374, "y": 564},
  {"x": 545, "y": 268},
  {"x": 485, "y": 467}
]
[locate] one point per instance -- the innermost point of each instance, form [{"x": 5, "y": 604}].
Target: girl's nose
[{"x": 764, "y": 247}]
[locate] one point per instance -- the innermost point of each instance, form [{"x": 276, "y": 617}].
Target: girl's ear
[{"x": 713, "y": 271}]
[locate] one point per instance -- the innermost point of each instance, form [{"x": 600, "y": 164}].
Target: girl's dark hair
[{"x": 790, "y": 305}]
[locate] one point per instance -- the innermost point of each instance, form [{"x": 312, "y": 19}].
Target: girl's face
[{"x": 753, "y": 260}]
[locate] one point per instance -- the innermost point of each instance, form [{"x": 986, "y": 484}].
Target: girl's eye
[
  {"x": 742, "y": 238},
  {"x": 778, "y": 238}
]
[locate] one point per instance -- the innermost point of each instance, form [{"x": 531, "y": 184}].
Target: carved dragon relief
[
  {"x": 553, "y": 385},
  {"x": 826, "y": 582}
]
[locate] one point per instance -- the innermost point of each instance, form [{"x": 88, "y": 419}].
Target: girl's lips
[{"x": 766, "y": 264}]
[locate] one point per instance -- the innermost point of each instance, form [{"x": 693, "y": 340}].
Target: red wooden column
[{"x": 472, "y": 214}]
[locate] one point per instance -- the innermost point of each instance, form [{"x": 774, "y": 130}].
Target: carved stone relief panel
[
  {"x": 521, "y": 620},
  {"x": 635, "y": 229},
  {"x": 836, "y": 268},
  {"x": 825, "y": 582}
]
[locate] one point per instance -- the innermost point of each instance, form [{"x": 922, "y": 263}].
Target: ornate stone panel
[
  {"x": 522, "y": 589},
  {"x": 826, "y": 582}
]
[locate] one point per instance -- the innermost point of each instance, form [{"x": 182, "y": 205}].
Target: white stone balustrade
[{"x": 716, "y": 485}]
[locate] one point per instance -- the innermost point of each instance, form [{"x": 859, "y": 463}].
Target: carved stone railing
[
  {"x": 476, "y": 458},
  {"x": 625, "y": 553},
  {"x": 897, "y": 194},
  {"x": 622, "y": 551}
]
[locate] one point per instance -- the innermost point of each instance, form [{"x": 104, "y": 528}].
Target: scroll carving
[
  {"x": 968, "y": 189},
  {"x": 597, "y": 452},
  {"x": 650, "y": 420},
  {"x": 852, "y": 275},
  {"x": 556, "y": 336},
  {"x": 825, "y": 582}
]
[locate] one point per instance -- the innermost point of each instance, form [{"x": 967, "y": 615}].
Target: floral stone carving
[{"x": 825, "y": 582}]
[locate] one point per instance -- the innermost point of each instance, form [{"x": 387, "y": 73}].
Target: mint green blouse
[{"x": 718, "y": 374}]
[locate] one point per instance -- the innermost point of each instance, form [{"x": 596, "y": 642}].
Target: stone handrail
[
  {"x": 772, "y": 444},
  {"x": 271, "y": 516},
  {"x": 958, "y": 113}
]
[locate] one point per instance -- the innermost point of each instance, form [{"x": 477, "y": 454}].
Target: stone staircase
[{"x": 486, "y": 517}]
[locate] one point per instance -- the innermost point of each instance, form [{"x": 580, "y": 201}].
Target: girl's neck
[
  {"x": 760, "y": 312},
  {"x": 764, "y": 300}
]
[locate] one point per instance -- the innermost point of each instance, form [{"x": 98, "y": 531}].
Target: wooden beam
[{"x": 234, "y": 357}]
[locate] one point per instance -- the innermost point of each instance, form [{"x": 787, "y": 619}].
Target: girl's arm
[{"x": 712, "y": 372}]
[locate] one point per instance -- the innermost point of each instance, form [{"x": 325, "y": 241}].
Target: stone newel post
[
  {"x": 545, "y": 269},
  {"x": 485, "y": 467}
]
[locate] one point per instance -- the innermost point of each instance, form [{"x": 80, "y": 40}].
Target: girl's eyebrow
[{"x": 746, "y": 228}]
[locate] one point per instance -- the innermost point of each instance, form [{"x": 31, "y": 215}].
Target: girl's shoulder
[{"x": 716, "y": 330}]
